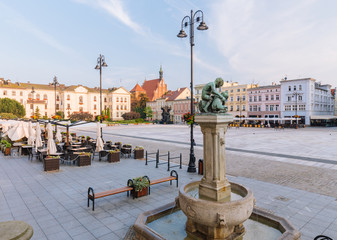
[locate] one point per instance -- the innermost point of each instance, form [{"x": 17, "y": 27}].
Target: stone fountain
[{"x": 214, "y": 207}]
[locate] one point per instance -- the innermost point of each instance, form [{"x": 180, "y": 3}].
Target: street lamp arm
[
  {"x": 186, "y": 23},
  {"x": 202, "y": 15}
]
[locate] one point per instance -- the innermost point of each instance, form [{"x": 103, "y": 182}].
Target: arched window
[
  {"x": 45, "y": 97},
  {"x": 68, "y": 97},
  {"x": 81, "y": 100},
  {"x": 37, "y": 96}
]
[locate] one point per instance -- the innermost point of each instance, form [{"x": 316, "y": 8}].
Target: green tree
[
  {"x": 141, "y": 105},
  {"x": 108, "y": 113},
  {"x": 148, "y": 112},
  {"x": 37, "y": 113},
  {"x": 12, "y": 106},
  {"x": 60, "y": 113}
]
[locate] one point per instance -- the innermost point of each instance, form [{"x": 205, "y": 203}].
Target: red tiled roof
[
  {"x": 137, "y": 88},
  {"x": 150, "y": 86},
  {"x": 173, "y": 95},
  {"x": 333, "y": 92}
]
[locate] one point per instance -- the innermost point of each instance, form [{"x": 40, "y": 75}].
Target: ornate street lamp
[
  {"x": 55, "y": 83},
  {"x": 100, "y": 63},
  {"x": 189, "y": 21}
]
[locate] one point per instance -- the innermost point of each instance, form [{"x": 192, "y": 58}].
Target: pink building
[{"x": 264, "y": 102}]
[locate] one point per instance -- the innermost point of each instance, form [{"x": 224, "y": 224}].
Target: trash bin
[{"x": 200, "y": 167}]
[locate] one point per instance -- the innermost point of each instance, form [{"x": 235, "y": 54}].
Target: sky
[{"x": 248, "y": 41}]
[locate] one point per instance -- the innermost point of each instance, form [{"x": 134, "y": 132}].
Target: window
[
  {"x": 46, "y": 106},
  {"x": 250, "y": 98},
  {"x": 294, "y": 107},
  {"x": 81, "y": 100},
  {"x": 117, "y": 114},
  {"x": 21, "y": 101},
  {"x": 231, "y": 99},
  {"x": 243, "y": 107},
  {"x": 289, "y": 98},
  {"x": 271, "y": 107},
  {"x": 299, "y": 98},
  {"x": 125, "y": 100},
  {"x": 57, "y": 98},
  {"x": 277, "y": 107},
  {"x": 121, "y": 99},
  {"x": 105, "y": 100},
  {"x": 95, "y": 107},
  {"x": 57, "y": 107},
  {"x": 5, "y": 92},
  {"x": 231, "y": 109},
  {"x": 301, "y": 107},
  {"x": 68, "y": 106},
  {"x": 37, "y": 96},
  {"x": 287, "y": 107},
  {"x": 243, "y": 89},
  {"x": 45, "y": 97},
  {"x": 68, "y": 97},
  {"x": 260, "y": 98},
  {"x": 95, "y": 99},
  {"x": 31, "y": 106},
  {"x": 255, "y": 98},
  {"x": 117, "y": 100},
  {"x": 237, "y": 108},
  {"x": 267, "y": 108},
  {"x": 258, "y": 108},
  {"x": 21, "y": 93},
  {"x": 13, "y": 93},
  {"x": 117, "y": 107},
  {"x": 277, "y": 97},
  {"x": 295, "y": 88},
  {"x": 81, "y": 109},
  {"x": 244, "y": 98},
  {"x": 254, "y": 108},
  {"x": 29, "y": 96},
  {"x": 238, "y": 90},
  {"x": 289, "y": 88},
  {"x": 300, "y": 87},
  {"x": 231, "y": 90},
  {"x": 267, "y": 97},
  {"x": 238, "y": 98},
  {"x": 272, "y": 97},
  {"x": 250, "y": 108}
]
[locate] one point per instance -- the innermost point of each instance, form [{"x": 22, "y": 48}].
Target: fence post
[
  {"x": 181, "y": 160},
  {"x": 146, "y": 158},
  {"x": 168, "y": 161},
  {"x": 157, "y": 158}
]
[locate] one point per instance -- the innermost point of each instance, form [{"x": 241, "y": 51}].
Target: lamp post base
[{"x": 191, "y": 164}]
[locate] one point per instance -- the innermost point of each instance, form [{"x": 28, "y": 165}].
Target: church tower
[{"x": 161, "y": 73}]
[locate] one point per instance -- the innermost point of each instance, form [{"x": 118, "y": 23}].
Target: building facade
[
  {"x": 264, "y": 102},
  {"x": 179, "y": 101},
  {"x": 68, "y": 99},
  {"x": 306, "y": 98}
]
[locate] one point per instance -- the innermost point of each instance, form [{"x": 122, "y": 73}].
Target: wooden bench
[
  {"x": 92, "y": 196},
  {"x": 173, "y": 176}
]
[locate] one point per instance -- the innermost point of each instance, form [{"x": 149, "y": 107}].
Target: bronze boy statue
[{"x": 212, "y": 100}]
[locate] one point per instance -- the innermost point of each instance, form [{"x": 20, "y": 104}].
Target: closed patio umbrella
[
  {"x": 51, "y": 146},
  {"x": 31, "y": 134},
  {"x": 99, "y": 141},
  {"x": 38, "y": 140},
  {"x": 58, "y": 135}
]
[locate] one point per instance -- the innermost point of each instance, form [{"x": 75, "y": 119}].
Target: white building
[
  {"x": 306, "y": 98},
  {"x": 68, "y": 99}
]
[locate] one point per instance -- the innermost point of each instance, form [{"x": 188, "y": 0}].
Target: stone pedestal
[
  {"x": 214, "y": 185},
  {"x": 18, "y": 230}
]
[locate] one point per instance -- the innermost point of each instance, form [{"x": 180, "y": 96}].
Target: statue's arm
[{"x": 215, "y": 92}]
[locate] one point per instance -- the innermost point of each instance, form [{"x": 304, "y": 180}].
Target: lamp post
[
  {"x": 32, "y": 92},
  {"x": 100, "y": 63},
  {"x": 240, "y": 101},
  {"x": 189, "y": 21},
  {"x": 296, "y": 94},
  {"x": 55, "y": 83}
]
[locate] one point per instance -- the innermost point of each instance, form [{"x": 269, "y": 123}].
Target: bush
[
  {"x": 12, "y": 106},
  {"x": 130, "y": 116},
  {"x": 81, "y": 117},
  {"x": 8, "y": 115}
]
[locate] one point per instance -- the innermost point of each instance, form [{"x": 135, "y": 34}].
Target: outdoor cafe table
[
  {"x": 24, "y": 149},
  {"x": 19, "y": 145}
]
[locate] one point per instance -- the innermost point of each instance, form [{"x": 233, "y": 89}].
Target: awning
[{"x": 323, "y": 117}]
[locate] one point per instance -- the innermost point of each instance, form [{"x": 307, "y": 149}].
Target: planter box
[
  {"x": 141, "y": 193},
  {"x": 83, "y": 160},
  {"x": 114, "y": 157},
  {"x": 138, "y": 154},
  {"x": 7, "y": 151},
  {"x": 51, "y": 164}
]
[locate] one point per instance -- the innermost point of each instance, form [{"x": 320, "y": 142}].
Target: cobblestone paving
[{"x": 55, "y": 204}]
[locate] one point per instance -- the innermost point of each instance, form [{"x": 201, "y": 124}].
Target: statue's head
[{"x": 218, "y": 82}]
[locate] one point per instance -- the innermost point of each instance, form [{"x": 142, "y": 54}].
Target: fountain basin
[{"x": 212, "y": 213}]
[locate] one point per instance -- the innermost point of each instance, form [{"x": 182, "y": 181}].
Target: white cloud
[{"x": 266, "y": 40}]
